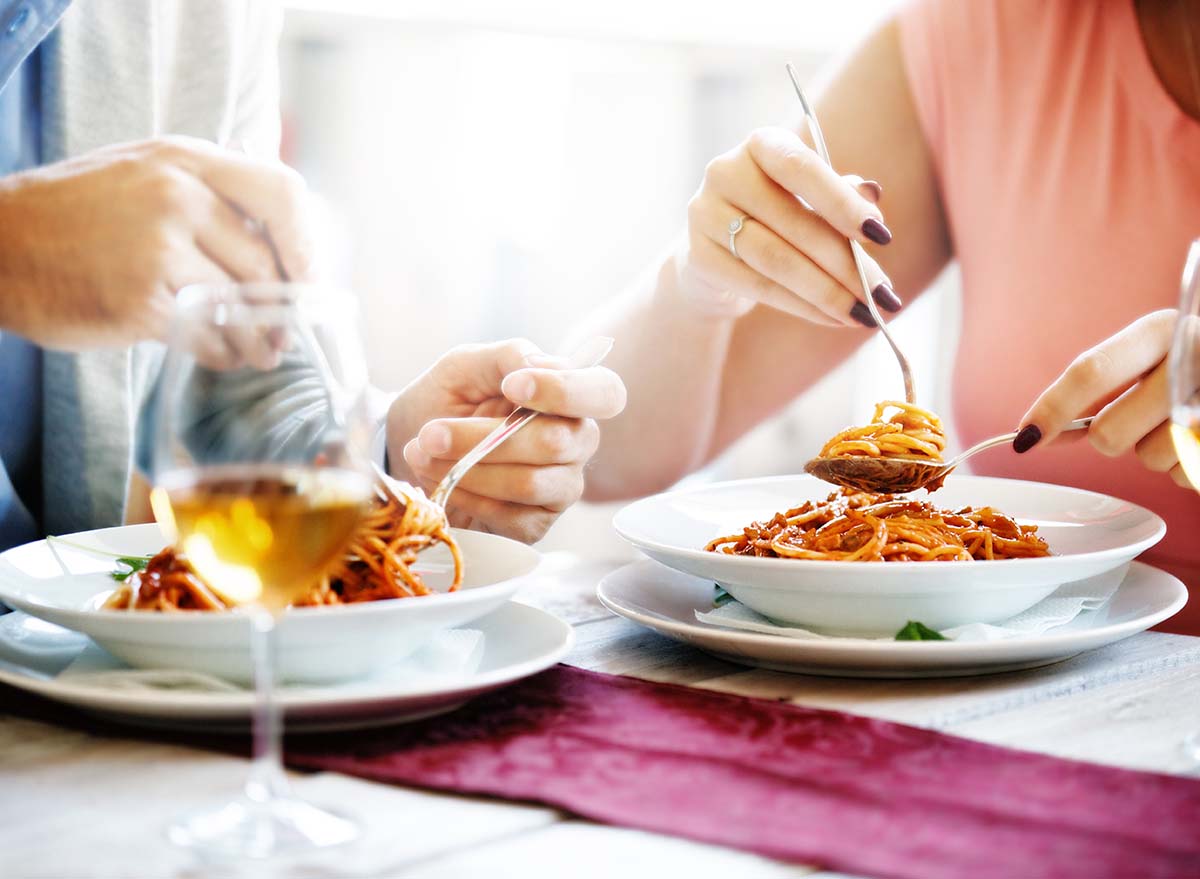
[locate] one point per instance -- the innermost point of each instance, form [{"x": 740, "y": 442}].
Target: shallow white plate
[
  {"x": 667, "y": 601},
  {"x": 316, "y": 644},
  {"x": 1089, "y": 534},
  {"x": 517, "y": 641}
]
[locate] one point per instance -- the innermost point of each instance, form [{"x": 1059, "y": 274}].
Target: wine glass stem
[{"x": 267, "y": 780}]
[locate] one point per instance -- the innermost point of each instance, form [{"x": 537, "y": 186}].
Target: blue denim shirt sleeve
[{"x": 23, "y": 26}]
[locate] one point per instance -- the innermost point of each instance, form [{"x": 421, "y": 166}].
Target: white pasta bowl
[
  {"x": 1089, "y": 535},
  {"x": 315, "y": 644}
]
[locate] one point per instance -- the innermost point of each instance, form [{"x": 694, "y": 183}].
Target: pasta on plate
[
  {"x": 859, "y": 526},
  {"x": 378, "y": 564}
]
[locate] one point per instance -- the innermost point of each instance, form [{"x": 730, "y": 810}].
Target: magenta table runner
[{"x": 819, "y": 787}]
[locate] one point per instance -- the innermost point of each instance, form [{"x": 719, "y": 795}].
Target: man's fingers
[
  {"x": 232, "y": 346},
  {"x": 515, "y": 521},
  {"x": 266, "y": 191},
  {"x": 545, "y": 440},
  {"x": 234, "y": 243},
  {"x": 206, "y": 343},
  {"x": 594, "y": 392},
  {"x": 1098, "y": 374}
]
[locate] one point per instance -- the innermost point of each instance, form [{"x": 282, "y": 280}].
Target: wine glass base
[{"x": 279, "y": 827}]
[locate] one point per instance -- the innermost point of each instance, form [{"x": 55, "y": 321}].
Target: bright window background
[{"x": 499, "y": 168}]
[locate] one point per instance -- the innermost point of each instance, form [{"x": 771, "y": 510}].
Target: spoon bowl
[
  {"x": 879, "y": 475},
  {"x": 902, "y": 475}
]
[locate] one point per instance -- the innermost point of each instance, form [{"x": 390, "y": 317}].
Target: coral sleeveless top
[{"x": 1071, "y": 184}]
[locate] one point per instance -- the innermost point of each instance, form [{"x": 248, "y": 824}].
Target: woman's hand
[
  {"x": 791, "y": 250},
  {"x": 1127, "y": 376},
  {"x": 523, "y": 486}
]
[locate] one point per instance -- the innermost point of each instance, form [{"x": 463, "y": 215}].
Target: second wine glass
[{"x": 1184, "y": 378}]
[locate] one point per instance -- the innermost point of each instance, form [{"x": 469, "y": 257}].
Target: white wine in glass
[
  {"x": 258, "y": 439},
  {"x": 1184, "y": 375},
  {"x": 260, "y": 534}
]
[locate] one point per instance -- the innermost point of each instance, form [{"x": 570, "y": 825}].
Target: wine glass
[
  {"x": 258, "y": 441},
  {"x": 1184, "y": 373}
]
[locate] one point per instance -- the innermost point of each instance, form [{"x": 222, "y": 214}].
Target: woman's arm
[{"x": 702, "y": 369}]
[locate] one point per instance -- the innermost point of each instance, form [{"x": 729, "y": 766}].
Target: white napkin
[
  {"x": 452, "y": 654},
  {"x": 1057, "y": 609}
]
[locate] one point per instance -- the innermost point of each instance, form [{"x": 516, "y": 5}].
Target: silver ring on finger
[{"x": 736, "y": 226}]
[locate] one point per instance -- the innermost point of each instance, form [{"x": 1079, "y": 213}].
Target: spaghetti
[
  {"x": 376, "y": 565},
  {"x": 858, "y": 526},
  {"x": 907, "y": 432}
]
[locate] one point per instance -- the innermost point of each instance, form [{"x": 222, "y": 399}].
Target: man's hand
[
  {"x": 93, "y": 249},
  {"x": 523, "y": 486}
]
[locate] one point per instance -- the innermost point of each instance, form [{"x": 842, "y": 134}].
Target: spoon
[
  {"x": 814, "y": 128},
  {"x": 901, "y": 475},
  {"x": 590, "y": 353}
]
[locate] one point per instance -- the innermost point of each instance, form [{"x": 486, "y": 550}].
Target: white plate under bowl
[
  {"x": 316, "y": 644},
  {"x": 517, "y": 641},
  {"x": 666, "y": 601},
  {"x": 1089, "y": 533}
]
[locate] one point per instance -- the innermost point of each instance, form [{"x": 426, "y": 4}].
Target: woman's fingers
[
  {"x": 593, "y": 392},
  {"x": 1181, "y": 478},
  {"x": 740, "y": 188},
  {"x": 554, "y": 487},
  {"x": 1156, "y": 450},
  {"x": 791, "y": 262},
  {"x": 712, "y": 265},
  {"x": 788, "y": 161},
  {"x": 791, "y": 250},
  {"x": 871, "y": 190},
  {"x": 1135, "y": 415},
  {"x": 544, "y": 441},
  {"x": 1097, "y": 375}
]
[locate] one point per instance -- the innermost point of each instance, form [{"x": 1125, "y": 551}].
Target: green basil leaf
[
  {"x": 914, "y": 631},
  {"x": 129, "y": 564}
]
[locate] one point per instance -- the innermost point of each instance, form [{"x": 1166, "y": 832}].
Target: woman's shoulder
[
  {"x": 988, "y": 21},
  {"x": 984, "y": 58}
]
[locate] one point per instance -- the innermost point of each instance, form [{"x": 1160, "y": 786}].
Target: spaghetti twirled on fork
[{"x": 907, "y": 432}]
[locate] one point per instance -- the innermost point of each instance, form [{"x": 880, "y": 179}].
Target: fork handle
[
  {"x": 1077, "y": 424},
  {"x": 510, "y": 425}
]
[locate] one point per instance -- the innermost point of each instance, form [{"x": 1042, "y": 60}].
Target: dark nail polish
[
  {"x": 886, "y": 298},
  {"x": 873, "y": 189},
  {"x": 1027, "y": 438},
  {"x": 876, "y": 231},
  {"x": 862, "y": 314}
]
